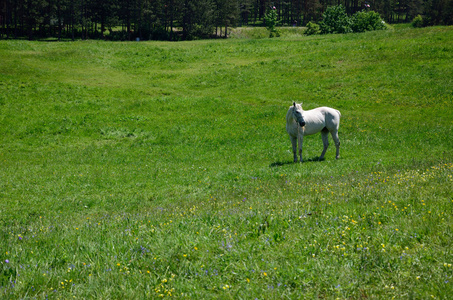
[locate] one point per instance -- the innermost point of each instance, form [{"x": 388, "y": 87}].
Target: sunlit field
[{"x": 142, "y": 170}]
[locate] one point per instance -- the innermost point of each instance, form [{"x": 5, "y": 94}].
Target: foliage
[
  {"x": 437, "y": 12},
  {"x": 156, "y": 169},
  {"x": 312, "y": 28},
  {"x": 198, "y": 20},
  {"x": 271, "y": 19},
  {"x": 178, "y": 19},
  {"x": 335, "y": 20},
  {"x": 417, "y": 22},
  {"x": 367, "y": 21}
]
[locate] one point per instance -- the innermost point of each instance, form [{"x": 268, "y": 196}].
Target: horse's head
[{"x": 297, "y": 113}]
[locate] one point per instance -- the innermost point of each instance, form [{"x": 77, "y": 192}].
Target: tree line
[{"x": 187, "y": 19}]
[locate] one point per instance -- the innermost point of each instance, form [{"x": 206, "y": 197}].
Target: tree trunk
[{"x": 226, "y": 28}]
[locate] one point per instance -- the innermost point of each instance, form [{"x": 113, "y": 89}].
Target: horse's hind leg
[
  {"x": 336, "y": 139},
  {"x": 325, "y": 142}
]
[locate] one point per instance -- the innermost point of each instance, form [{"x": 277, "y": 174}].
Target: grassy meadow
[{"x": 142, "y": 170}]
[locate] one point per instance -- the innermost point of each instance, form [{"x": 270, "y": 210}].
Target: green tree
[
  {"x": 198, "y": 18},
  {"x": 245, "y": 7},
  {"x": 227, "y": 13},
  {"x": 105, "y": 14},
  {"x": 33, "y": 15},
  {"x": 438, "y": 12},
  {"x": 366, "y": 21},
  {"x": 414, "y": 8},
  {"x": 311, "y": 11},
  {"x": 272, "y": 21},
  {"x": 335, "y": 20}
]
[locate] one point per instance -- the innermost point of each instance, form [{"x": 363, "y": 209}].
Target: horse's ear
[{"x": 294, "y": 104}]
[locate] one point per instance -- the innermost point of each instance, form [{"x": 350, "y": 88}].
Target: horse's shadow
[
  {"x": 280, "y": 163},
  {"x": 284, "y": 163}
]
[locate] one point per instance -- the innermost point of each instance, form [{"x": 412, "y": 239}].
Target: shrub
[
  {"x": 418, "y": 21},
  {"x": 335, "y": 20},
  {"x": 367, "y": 21},
  {"x": 312, "y": 28},
  {"x": 118, "y": 35}
]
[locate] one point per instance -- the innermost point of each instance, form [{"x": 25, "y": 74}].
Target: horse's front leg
[
  {"x": 300, "y": 137},
  {"x": 294, "y": 144}
]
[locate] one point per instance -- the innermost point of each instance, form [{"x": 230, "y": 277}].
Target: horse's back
[{"x": 326, "y": 110}]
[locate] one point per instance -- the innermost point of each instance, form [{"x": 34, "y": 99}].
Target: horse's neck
[{"x": 289, "y": 116}]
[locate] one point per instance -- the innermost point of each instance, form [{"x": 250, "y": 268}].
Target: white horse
[{"x": 300, "y": 123}]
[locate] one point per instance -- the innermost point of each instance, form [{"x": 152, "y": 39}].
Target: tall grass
[{"x": 145, "y": 170}]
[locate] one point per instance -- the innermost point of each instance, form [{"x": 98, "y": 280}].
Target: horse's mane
[{"x": 289, "y": 114}]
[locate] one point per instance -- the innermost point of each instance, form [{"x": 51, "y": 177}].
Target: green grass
[
  {"x": 262, "y": 32},
  {"x": 139, "y": 170}
]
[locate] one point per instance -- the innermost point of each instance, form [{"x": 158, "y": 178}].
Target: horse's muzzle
[{"x": 302, "y": 124}]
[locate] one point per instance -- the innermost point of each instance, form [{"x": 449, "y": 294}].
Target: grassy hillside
[{"x": 154, "y": 169}]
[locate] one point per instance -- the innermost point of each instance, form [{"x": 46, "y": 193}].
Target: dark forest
[{"x": 186, "y": 19}]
